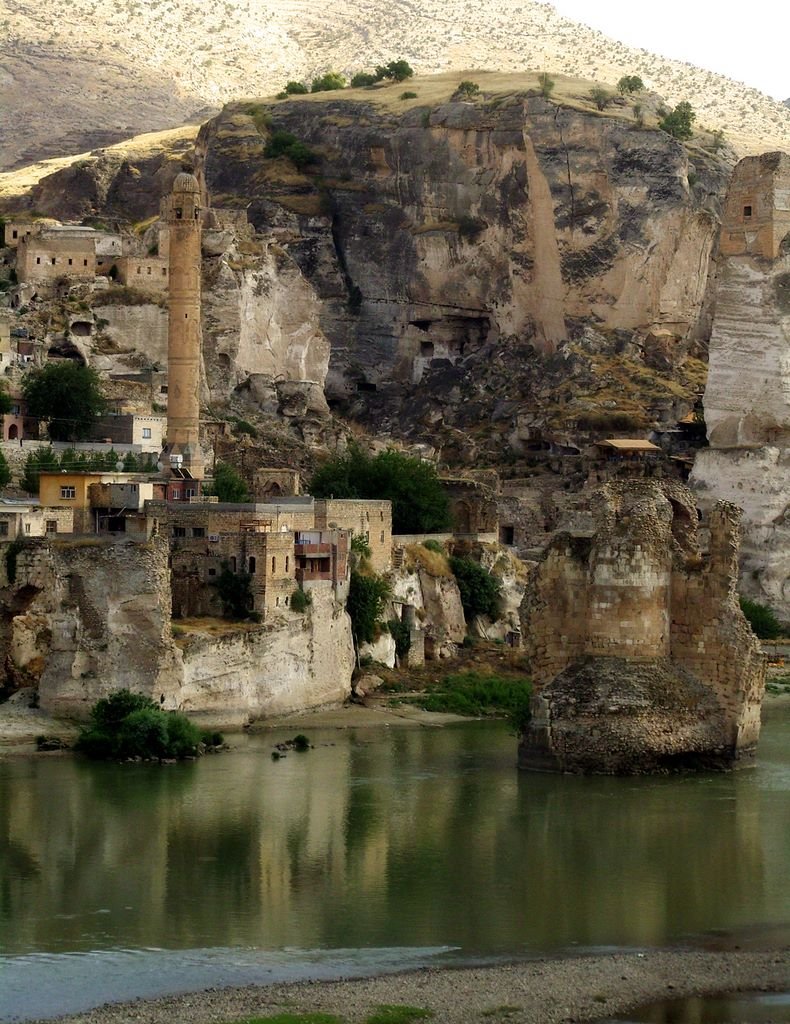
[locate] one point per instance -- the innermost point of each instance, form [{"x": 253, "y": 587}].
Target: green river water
[{"x": 377, "y": 850}]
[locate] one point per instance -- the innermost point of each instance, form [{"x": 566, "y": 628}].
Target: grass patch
[
  {"x": 435, "y": 563},
  {"x": 295, "y": 1018},
  {"x": 398, "y": 1015},
  {"x": 480, "y": 695},
  {"x": 501, "y": 1011}
]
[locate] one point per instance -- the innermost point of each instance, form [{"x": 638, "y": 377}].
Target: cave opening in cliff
[{"x": 64, "y": 350}]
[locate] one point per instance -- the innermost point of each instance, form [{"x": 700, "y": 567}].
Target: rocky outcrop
[
  {"x": 641, "y": 657},
  {"x": 87, "y": 616},
  {"x": 747, "y": 398}
]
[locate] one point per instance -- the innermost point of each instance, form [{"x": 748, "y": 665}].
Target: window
[
  {"x": 274, "y": 564},
  {"x": 747, "y": 212},
  {"x": 15, "y": 233},
  {"x": 277, "y": 602},
  {"x": 164, "y": 271},
  {"x": 287, "y": 562},
  {"x": 381, "y": 538},
  {"x": 149, "y": 271},
  {"x": 189, "y": 492},
  {"x": 27, "y": 527},
  {"x": 68, "y": 492},
  {"x": 179, "y": 531},
  {"x": 198, "y": 531},
  {"x": 53, "y": 261},
  {"x": 179, "y": 213},
  {"x": 38, "y": 259},
  {"x": 212, "y": 572},
  {"x": 52, "y": 526},
  {"x": 84, "y": 263},
  {"x": 251, "y": 565},
  {"x": 233, "y": 564},
  {"x": 3, "y": 527},
  {"x": 146, "y": 432},
  {"x": 70, "y": 261},
  {"x": 176, "y": 495},
  {"x": 139, "y": 270}
]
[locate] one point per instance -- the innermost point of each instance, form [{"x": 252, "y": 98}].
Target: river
[{"x": 377, "y": 849}]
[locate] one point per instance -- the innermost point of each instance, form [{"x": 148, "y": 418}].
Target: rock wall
[
  {"x": 641, "y": 657},
  {"x": 747, "y": 398},
  {"x": 86, "y": 617}
]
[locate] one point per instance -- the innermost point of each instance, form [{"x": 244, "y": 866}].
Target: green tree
[
  {"x": 5, "y": 401},
  {"x": 42, "y": 461},
  {"x": 367, "y": 596},
  {"x": 5, "y": 472},
  {"x": 399, "y": 70},
  {"x": 546, "y": 84},
  {"x": 329, "y": 82},
  {"x": 479, "y": 590},
  {"x": 678, "y": 122},
  {"x": 285, "y": 144},
  {"x": 128, "y": 725},
  {"x": 419, "y": 501},
  {"x": 467, "y": 89},
  {"x": 762, "y": 619},
  {"x": 295, "y": 89},
  {"x": 68, "y": 395},
  {"x": 601, "y": 97},
  {"x": 629, "y": 84},
  {"x": 234, "y": 593},
  {"x": 229, "y": 484}
]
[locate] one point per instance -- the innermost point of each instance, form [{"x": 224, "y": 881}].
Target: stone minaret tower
[{"x": 183, "y": 215}]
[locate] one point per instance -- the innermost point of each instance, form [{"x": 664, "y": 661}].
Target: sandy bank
[{"x": 547, "y": 991}]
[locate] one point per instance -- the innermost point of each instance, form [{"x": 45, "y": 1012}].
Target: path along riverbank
[{"x": 548, "y": 991}]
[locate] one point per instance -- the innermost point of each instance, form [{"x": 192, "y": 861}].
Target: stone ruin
[{"x": 641, "y": 657}]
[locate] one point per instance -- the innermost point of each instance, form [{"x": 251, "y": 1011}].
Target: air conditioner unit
[{"x": 213, "y": 537}]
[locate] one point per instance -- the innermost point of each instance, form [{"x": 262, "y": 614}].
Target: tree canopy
[
  {"x": 629, "y": 84},
  {"x": 229, "y": 484},
  {"x": 329, "y": 82},
  {"x": 5, "y": 401},
  {"x": 419, "y": 502},
  {"x": 5, "y": 472},
  {"x": 678, "y": 122},
  {"x": 68, "y": 395}
]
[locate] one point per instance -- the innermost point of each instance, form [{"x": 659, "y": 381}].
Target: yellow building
[{"x": 63, "y": 489}]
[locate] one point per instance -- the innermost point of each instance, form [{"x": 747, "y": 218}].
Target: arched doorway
[
  {"x": 462, "y": 517},
  {"x": 13, "y": 432}
]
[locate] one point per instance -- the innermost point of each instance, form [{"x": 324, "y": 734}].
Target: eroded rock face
[
  {"x": 641, "y": 657},
  {"x": 747, "y": 398},
  {"x": 439, "y": 232},
  {"x": 86, "y": 617}
]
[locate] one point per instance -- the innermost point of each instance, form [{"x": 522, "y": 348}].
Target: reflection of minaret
[{"x": 183, "y": 215}]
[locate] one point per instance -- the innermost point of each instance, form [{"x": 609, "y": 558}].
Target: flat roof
[{"x": 630, "y": 444}]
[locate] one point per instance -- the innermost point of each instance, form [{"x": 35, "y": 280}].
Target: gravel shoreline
[{"x": 547, "y": 991}]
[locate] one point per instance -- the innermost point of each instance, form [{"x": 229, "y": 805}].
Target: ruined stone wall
[
  {"x": 369, "y": 519},
  {"x": 641, "y": 657},
  {"x": 41, "y": 259},
  {"x": 148, "y": 273}
]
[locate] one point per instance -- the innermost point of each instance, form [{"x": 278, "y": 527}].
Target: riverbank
[{"x": 548, "y": 991}]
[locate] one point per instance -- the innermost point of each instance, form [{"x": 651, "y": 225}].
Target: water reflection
[
  {"x": 409, "y": 837},
  {"x": 771, "y": 1008}
]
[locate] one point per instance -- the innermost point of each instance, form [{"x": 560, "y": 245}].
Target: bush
[
  {"x": 678, "y": 122},
  {"x": 434, "y": 545},
  {"x": 234, "y": 593},
  {"x": 360, "y": 546},
  {"x": 367, "y": 596},
  {"x": 243, "y": 427},
  {"x": 401, "y": 634},
  {"x": 285, "y": 144},
  {"x": 128, "y": 725},
  {"x": 300, "y": 601},
  {"x": 762, "y": 619},
  {"x": 419, "y": 501},
  {"x": 295, "y": 89},
  {"x": 479, "y": 590},
  {"x": 601, "y": 97},
  {"x": 5, "y": 401},
  {"x": 363, "y": 78},
  {"x": 546, "y": 84},
  {"x": 408, "y": 95},
  {"x": 629, "y": 84},
  {"x": 5, "y": 471},
  {"x": 329, "y": 82}
]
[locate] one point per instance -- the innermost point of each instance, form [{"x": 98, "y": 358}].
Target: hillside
[{"x": 85, "y": 74}]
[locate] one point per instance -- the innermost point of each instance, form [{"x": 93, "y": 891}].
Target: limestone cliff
[
  {"x": 86, "y": 616},
  {"x": 641, "y": 657},
  {"x": 467, "y": 250},
  {"x": 747, "y": 398}
]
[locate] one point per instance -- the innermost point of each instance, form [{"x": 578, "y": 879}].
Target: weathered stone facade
[
  {"x": 747, "y": 397},
  {"x": 641, "y": 657}
]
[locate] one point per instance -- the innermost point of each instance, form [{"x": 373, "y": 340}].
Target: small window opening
[
  {"x": 252, "y": 565},
  {"x": 747, "y": 211},
  {"x": 274, "y": 564}
]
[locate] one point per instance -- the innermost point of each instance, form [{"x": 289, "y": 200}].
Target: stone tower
[{"x": 182, "y": 456}]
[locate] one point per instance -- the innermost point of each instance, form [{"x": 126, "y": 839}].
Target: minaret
[{"x": 183, "y": 215}]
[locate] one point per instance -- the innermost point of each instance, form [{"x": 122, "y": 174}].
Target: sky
[{"x": 747, "y": 42}]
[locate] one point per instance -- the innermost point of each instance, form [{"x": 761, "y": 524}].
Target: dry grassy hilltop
[{"x": 80, "y": 75}]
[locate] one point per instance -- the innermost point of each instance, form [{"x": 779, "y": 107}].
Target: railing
[{"x": 313, "y": 550}]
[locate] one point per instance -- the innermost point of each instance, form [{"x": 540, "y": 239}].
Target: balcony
[{"x": 313, "y": 550}]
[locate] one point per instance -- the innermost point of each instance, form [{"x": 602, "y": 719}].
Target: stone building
[
  {"x": 146, "y": 432},
  {"x": 271, "y": 484},
  {"x": 54, "y": 252},
  {"x": 25, "y": 517},
  {"x": 641, "y": 658},
  {"x": 148, "y": 273},
  {"x": 371, "y": 520},
  {"x": 756, "y": 220}
]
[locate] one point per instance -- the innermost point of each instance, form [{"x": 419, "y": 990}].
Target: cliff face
[
  {"x": 475, "y": 237},
  {"x": 85, "y": 617},
  {"x": 747, "y": 398}
]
